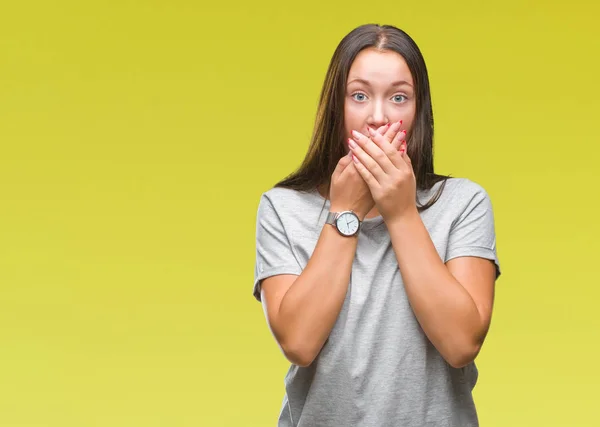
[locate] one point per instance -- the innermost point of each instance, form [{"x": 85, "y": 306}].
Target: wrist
[
  {"x": 359, "y": 213},
  {"x": 407, "y": 217}
]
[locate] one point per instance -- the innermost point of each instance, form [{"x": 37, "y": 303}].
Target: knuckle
[
  {"x": 401, "y": 177},
  {"x": 379, "y": 156}
]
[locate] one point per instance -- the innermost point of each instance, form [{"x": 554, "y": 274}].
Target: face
[{"x": 380, "y": 89}]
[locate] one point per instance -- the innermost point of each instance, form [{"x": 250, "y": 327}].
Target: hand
[
  {"x": 349, "y": 191},
  {"x": 388, "y": 173}
]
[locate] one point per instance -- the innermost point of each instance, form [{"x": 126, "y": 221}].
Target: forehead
[{"x": 373, "y": 64}]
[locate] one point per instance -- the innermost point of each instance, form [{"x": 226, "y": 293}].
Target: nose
[{"x": 377, "y": 118}]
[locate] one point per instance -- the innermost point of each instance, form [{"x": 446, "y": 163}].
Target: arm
[
  {"x": 453, "y": 302},
  {"x": 301, "y": 310}
]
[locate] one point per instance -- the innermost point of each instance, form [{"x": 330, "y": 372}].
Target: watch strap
[{"x": 331, "y": 217}]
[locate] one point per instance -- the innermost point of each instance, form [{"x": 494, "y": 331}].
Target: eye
[
  {"x": 359, "y": 96},
  {"x": 399, "y": 98}
]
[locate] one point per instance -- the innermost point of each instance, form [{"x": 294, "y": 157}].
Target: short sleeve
[
  {"x": 274, "y": 253},
  {"x": 473, "y": 232}
]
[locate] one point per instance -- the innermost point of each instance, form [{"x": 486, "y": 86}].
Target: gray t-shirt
[{"x": 377, "y": 367}]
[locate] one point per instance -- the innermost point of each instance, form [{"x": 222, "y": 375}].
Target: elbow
[
  {"x": 459, "y": 362},
  {"x": 298, "y": 354},
  {"x": 295, "y": 348},
  {"x": 300, "y": 347},
  {"x": 463, "y": 355}
]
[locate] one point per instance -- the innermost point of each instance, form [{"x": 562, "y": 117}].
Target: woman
[{"x": 376, "y": 275}]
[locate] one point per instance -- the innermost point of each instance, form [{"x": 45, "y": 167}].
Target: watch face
[{"x": 347, "y": 223}]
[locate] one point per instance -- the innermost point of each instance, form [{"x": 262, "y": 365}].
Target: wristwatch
[{"x": 346, "y": 222}]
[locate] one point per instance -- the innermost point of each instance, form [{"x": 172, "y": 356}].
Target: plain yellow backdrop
[{"x": 136, "y": 138}]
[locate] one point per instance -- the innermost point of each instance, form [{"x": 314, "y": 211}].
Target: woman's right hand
[{"x": 349, "y": 191}]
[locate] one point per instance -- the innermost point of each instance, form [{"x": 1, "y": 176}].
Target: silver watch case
[{"x": 337, "y": 218}]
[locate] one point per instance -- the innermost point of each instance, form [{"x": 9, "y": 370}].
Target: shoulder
[
  {"x": 458, "y": 197},
  {"x": 465, "y": 189},
  {"x": 286, "y": 202},
  {"x": 277, "y": 194},
  {"x": 286, "y": 197},
  {"x": 467, "y": 200}
]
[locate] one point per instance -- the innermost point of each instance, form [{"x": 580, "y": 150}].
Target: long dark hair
[{"x": 327, "y": 143}]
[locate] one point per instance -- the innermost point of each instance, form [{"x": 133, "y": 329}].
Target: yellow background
[{"x": 137, "y": 136}]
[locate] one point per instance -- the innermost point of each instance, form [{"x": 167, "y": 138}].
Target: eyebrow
[{"x": 366, "y": 82}]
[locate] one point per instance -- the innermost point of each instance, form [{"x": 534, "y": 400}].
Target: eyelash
[{"x": 361, "y": 93}]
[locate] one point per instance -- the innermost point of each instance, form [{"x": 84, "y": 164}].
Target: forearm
[
  {"x": 445, "y": 310},
  {"x": 311, "y": 306}
]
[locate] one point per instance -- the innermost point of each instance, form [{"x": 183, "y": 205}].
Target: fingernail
[
  {"x": 404, "y": 131},
  {"x": 354, "y": 158},
  {"x": 351, "y": 143},
  {"x": 371, "y": 131},
  {"x": 400, "y": 122}
]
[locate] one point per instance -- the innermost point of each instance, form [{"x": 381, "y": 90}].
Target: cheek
[
  {"x": 408, "y": 119},
  {"x": 352, "y": 120}
]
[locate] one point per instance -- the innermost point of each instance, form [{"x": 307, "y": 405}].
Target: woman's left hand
[{"x": 388, "y": 172}]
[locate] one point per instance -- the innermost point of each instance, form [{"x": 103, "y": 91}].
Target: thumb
[{"x": 342, "y": 164}]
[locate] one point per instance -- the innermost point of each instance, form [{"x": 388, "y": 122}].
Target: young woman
[{"x": 376, "y": 275}]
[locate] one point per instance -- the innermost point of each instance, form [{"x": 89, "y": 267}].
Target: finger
[
  {"x": 366, "y": 174},
  {"x": 383, "y": 129},
  {"x": 383, "y": 153},
  {"x": 407, "y": 162},
  {"x": 382, "y": 141},
  {"x": 398, "y": 139},
  {"x": 405, "y": 157},
  {"x": 393, "y": 150},
  {"x": 392, "y": 131},
  {"x": 357, "y": 145}
]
